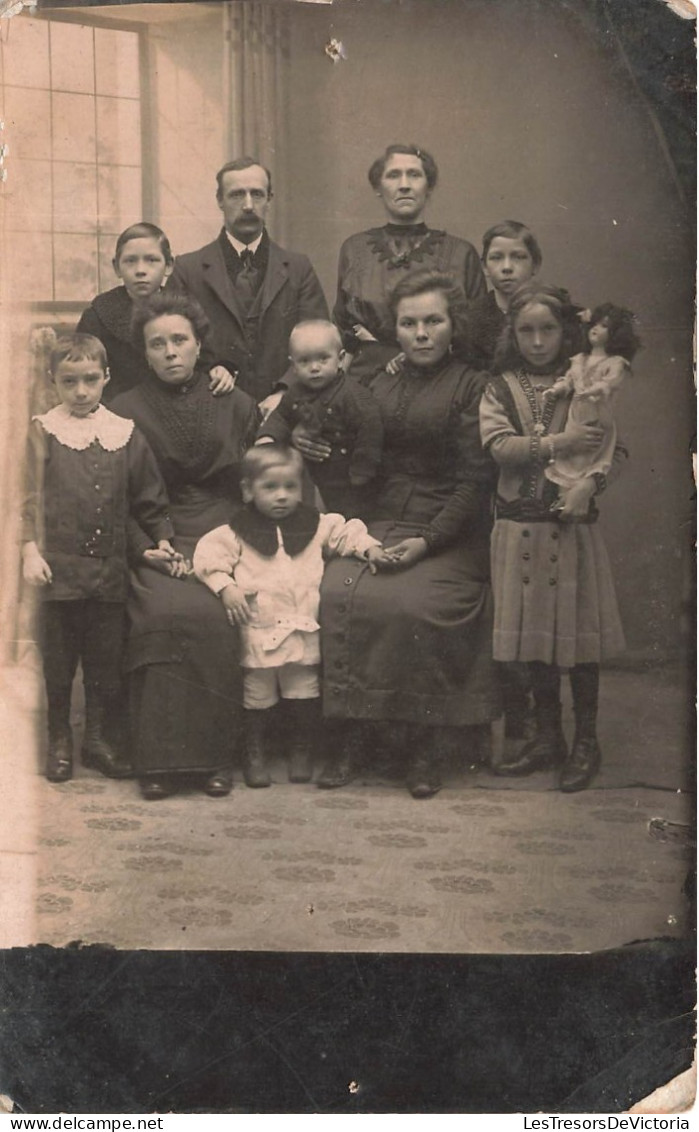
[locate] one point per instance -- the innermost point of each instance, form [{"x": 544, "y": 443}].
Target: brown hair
[
  {"x": 168, "y": 302},
  {"x": 428, "y": 279},
  {"x": 507, "y": 355},
  {"x": 76, "y": 348},
  {"x": 378, "y": 167},
  {"x": 235, "y": 167}
]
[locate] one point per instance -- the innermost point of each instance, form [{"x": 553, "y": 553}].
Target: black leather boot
[
  {"x": 304, "y": 721},
  {"x": 220, "y": 783},
  {"x": 59, "y": 762},
  {"x": 584, "y": 760},
  {"x": 518, "y": 707},
  {"x": 424, "y": 778},
  {"x": 255, "y": 770},
  {"x": 97, "y": 752},
  {"x": 548, "y": 747}
]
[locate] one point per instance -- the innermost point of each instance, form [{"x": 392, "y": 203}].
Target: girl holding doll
[
  {"x": 594, "y": 378},
  {"x": 555, "y": 605}
]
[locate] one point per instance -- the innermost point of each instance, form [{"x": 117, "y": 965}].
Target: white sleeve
[
  {"x": 345, "y": 537},
  {"x": 216, "y": 556}
]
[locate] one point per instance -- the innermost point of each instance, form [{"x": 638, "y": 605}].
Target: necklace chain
[{"x": 541, "y": 414}]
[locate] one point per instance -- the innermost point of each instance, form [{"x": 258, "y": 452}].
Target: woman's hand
[
  {"x": 235, "y": 603},
  {"x": 166, "y": 560},
  {"x": 310, "y": 447},
  {"x": 577, "y": 500},
  {"x": 221, "y": 381},
  {"x": 578, "y": 439},
  {"x": 407, "y": 552},
  {"x": 35, "y": 569}
]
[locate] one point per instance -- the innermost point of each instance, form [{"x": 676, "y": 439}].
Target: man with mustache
[{"x": 253, "y": 291}]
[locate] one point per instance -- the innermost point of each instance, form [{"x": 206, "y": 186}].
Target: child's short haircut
[
  {"x": 76, "y": 348},
  {"x": 258, "y": 459},
  {"x": 513, "y": 230},
  {"x": 143, "y": 231},
  {"x": 323, "y": 323}
]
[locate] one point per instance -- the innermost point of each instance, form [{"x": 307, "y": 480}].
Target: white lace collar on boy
[{"x": 111, "y": 432}]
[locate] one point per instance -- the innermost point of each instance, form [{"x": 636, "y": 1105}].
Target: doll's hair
[
  {"x": 164, "y": 303},
  {"x": 622, "y": 339},
  {"x": 428, "y": 279},
  {"x": 143, "y": 231},
  {"x": 378, "y": 167},
  {"x": 237, "y": 166},
  {"x": 77, "y": 348},
  {"x": 321, "y": 323},
  {"x": 507, "y": 354},
  {"x": 513, "y": 230},
  {"x": 260, "y": 457}
]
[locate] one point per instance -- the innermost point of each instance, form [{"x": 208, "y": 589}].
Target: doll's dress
[{"x": 584, "y": 372}]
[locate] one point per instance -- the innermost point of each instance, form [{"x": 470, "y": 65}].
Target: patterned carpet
[{"x": 488, "y": 865}]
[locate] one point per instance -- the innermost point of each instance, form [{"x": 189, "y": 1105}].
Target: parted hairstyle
[
  {"x": 513, "y": 230},
  {"x": 77, "y": 348},
  {"x": 622, "y": 339},
  {"x": 507, "y": 355},
  {"x": 377, "y": 168},
  {"x": 260, "y": 457},
  {"x": 163, "y": 303},
  {"x": 429, "y": 279},
  {"x": 143, "y": 231},
  {"x": 235, "y": 167}
]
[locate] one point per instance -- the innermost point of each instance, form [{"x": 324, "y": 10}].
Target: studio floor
[{"x": 488, "y": 865}]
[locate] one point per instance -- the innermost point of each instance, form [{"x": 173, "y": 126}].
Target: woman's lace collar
[{"x": 109, "y": 430}]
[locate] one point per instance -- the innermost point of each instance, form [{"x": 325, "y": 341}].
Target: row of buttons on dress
[
  {"x": 526, "y": 556},
  {"x": 341, "y": 636},
  {"x": 90, "y": 542}
]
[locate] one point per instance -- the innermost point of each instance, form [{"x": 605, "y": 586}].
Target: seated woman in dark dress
[
  {"x": 373, "y": 262},
  {"x": 413, "y": 647},
  {"x": 183, "y": 656}
]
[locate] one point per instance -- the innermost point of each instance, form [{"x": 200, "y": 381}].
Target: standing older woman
[
  {"x": 413, "y": 647},
  {"x": 182, "y": 654},
  {"x": 373, "y": 262}
]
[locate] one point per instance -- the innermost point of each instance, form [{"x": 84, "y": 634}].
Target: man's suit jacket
[{"x": 256, "y": 346}]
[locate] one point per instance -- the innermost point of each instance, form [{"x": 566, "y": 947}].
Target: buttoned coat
[{"x": 257, "y": 346}]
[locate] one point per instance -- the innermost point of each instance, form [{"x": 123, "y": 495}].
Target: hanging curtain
[{"x": 257, "y": 52}]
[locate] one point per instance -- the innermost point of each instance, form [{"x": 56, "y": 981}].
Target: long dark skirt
[
  {"x": 185, "y": 687},
  {"x": 414, "y": 646}
]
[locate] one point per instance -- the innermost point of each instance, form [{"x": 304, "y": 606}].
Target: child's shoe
[
  {"x": 582, "y": 766},
  {"x": 578, "y": 771},
  {"x": 344, "y": 739},
  {"x": 304, "y": 722},
  {"x": 255, "y": 770},
  {"x": 59, "y": 762},
  {"x": 96, "y": 751}
]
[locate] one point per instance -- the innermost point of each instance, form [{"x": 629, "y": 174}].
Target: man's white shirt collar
[{"x": 244, "y": 247}]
